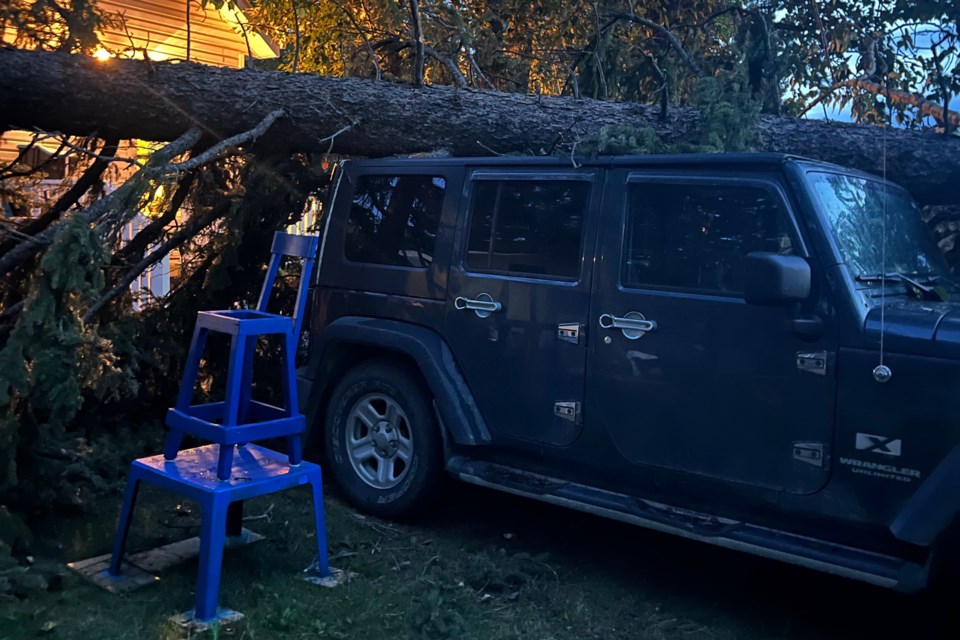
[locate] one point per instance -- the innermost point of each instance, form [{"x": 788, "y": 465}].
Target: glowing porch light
[{"x": 102, "y": 54}]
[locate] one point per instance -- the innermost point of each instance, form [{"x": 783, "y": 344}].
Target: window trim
[
  {"x": 770, "y": 185},
  {"x": 377, "y": 174},
  {"x": 504, "y": 176},
  {"x": 532, "y": 176}
]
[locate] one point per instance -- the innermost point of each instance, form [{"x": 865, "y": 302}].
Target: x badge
[{"x": 879, "y": 444}]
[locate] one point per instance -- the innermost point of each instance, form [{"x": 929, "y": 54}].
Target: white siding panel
[{"x": 160, "y": 26}]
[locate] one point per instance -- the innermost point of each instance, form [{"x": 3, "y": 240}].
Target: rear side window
[
  {"x": 528, "y": 227},
  {"x": 394, "y": 220},
  {"x": 690, "y": 236}
]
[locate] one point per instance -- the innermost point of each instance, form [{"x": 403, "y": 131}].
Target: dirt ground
[{"x": 482, "y": 566}]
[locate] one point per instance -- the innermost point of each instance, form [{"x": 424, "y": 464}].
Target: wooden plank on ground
[{"x": 139, "y": 568}]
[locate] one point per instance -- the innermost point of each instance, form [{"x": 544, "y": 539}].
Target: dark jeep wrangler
[{"x": 756, "y": 351}]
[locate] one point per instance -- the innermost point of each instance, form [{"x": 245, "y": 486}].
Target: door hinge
[
  {"x": 810, "y": 452},
  {"x": 569, "y": 332},
  {"x": 812, "y": 362},
  {"x": 569, "y": 411}
]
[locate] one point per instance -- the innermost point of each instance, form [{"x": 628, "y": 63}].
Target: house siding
[{"x": 160, "y": 27}]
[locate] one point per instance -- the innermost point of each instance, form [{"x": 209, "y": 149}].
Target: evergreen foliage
[
  {"x": 729, "y": 112},
  {"x": 51, "y": 359}
]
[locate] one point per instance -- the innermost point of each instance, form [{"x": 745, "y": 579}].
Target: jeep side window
[
  {"x": 695, "y": 236},
  {"x": 394, "y": 220},
  {"x": 528, "y": 227}
]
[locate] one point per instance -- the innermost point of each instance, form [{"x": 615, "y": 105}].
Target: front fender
[{"x": 458, "y": 410}]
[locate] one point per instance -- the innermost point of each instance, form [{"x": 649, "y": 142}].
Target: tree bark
[
  {"x": 159, "y": 101},
  {"x": 418, "y": 57}
]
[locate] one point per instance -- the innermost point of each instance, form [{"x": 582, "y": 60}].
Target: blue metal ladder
[{"x": 220, "y": 476}]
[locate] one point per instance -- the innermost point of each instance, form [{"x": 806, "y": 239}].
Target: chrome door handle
[
  {"x": 633, "y": 324},
  {"x": 483, "y": 305}
]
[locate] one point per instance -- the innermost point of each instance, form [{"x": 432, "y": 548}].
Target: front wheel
[{"x": 383, "y": 441}]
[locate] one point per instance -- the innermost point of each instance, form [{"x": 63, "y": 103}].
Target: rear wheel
[{"x": 383, "y": 441}]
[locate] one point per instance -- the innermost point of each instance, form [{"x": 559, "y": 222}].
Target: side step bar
[{"x": 873, "y": 568}]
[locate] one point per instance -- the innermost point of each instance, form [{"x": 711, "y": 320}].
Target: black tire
[
  {"x": 420, "y": 479},
  {"x": 945, "y": 559}
]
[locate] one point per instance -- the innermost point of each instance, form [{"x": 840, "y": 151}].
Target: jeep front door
[
  {"x": 684, "y": 374},
  {"x": 518, "y": 299}
]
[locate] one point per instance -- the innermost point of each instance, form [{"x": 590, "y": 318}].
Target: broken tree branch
[
  {"x": 90, "y": 177},
  {"x": 126, "y": 192},
  {"x": 449, "y": 63},
  {"x": 667, "y": 35},
  {"x": 149, "y": 234},
  {"x": 189, "y": 230},
  {"x": 222, "y": 147},
  {"x": 96, "y": 155},
  {"x": 363, "y": 35},
  {"x": 9, "y": 170}
]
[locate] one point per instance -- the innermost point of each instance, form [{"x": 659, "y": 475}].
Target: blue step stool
[
  {"x": 256, "y": 471},
  {"x": 221, "y": 475}
]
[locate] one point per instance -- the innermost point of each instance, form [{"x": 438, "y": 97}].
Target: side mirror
[{"x": 772, "y": 279}]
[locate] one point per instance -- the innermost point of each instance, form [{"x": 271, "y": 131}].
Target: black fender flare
[
  {"x": 459, "y": 415},
  {"x": 931, "y": 509}
]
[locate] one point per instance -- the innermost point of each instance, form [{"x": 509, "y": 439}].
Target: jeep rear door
[
  {"x": 518, "y": 297},
  {"x": 718, "y": 388}
]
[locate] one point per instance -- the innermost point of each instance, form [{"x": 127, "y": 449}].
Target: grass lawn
[{"x": 482, "y": 566}]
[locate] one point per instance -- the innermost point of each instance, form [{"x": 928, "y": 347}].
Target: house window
[
  {"x": 528, "y": 227},
  {"x": 394, "y": 220},
  {"x": 50, "y": 167},
  {"x": 695, "y": 236}
]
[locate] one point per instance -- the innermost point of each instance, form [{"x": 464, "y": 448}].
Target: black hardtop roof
[{"x": 713, "y": 160}]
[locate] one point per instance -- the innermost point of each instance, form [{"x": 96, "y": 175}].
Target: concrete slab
[
  {"x": 191, "y": 625},
  {"x": 336, "y": 578}
]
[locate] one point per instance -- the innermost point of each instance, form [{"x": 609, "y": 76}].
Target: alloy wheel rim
[{"x": 379, "y": 441}]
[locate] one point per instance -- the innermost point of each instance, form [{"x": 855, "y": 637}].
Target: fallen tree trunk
[{"x": 159, "y": 101}]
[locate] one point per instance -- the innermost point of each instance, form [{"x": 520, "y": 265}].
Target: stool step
[
  {"x": 264, "y": 422},
  {"x": 256, "y": 471},
  {"x": 244, "y": 322}
]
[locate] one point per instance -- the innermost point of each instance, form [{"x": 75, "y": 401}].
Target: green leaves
[{"x": 912, "y": 46}]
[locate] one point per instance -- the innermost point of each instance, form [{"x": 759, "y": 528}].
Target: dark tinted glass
[
  {"x": 696, "y": 236},
  {"x": 394, "y": 220},
  {"x": 528, "y": 227}
]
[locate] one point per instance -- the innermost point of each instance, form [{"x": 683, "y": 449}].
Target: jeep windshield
[{"x": 854, "y": 207}]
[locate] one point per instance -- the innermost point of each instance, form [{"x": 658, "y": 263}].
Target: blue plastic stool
[
  {"x": 256, "y": 471},
  {"x": 239, "y": 418},
  {"x": 210, "y": 474}
]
